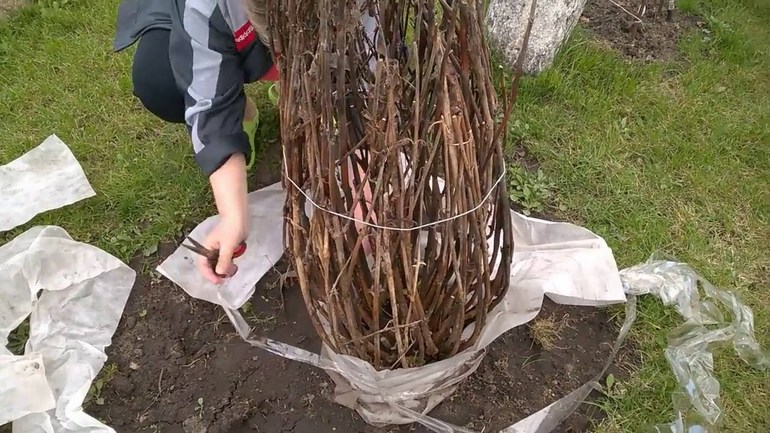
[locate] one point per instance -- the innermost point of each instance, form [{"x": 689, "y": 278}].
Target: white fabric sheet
[
  {"x": 73, "y": 294},
  {"x": 45, "y": 178}
]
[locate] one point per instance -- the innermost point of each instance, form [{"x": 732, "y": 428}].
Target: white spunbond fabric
[
  {"x": 264, "y": 249},
  {"x": 46, "y": 178},
  {"x": 82, "y": 292},
  {"x": 567, "y": 263},
  {"x": 73, "y": 294},
  {"x": 23, "y": 386}
]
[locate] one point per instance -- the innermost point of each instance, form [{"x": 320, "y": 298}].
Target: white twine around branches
[{"x": 377, "y": 226}]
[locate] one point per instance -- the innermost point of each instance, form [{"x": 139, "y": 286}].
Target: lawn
[{"x": 664, "y": 157}]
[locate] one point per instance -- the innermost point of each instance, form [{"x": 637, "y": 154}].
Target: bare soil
[
  {"x": 654, "y": 38},
  {"x": 179, "y": 367}
]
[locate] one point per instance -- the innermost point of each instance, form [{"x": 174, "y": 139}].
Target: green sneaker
[{"x": 250, "y": 128}]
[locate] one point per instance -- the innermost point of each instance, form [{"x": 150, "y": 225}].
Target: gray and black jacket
[{"x": 213, "y": 50}]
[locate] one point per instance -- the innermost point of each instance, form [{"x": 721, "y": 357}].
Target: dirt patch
[
  {"x": 519, "y": 376},
  {"x": 7, "y": 7},
  {"x": 654, "y": 38},
  {"x": 179, "y": 367}
]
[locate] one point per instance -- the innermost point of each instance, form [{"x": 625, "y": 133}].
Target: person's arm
[{"x": 208, "y": 71}]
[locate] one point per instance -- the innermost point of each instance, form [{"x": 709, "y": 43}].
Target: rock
[{"x": 553, "y": 22}]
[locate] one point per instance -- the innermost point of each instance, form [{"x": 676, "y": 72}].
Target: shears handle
[
  {"x": 240, "y": 250},
  {"x": 237, "y": 253}
]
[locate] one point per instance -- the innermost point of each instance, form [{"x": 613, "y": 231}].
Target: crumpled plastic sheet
[
  {"x": 73, "y": 293},
  {"x": 689, "y": 354},
  {"x": 45, "y": 178},
  {"x": 567, "y": 263}
]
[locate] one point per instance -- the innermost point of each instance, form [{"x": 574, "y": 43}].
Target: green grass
[
  {"x": 59, "y": 75},
  {"x": 671, "y": 158}
]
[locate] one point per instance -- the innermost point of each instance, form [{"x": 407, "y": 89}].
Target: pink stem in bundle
[{"x": 358, "y": 210}]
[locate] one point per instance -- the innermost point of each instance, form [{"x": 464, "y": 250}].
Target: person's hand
[
  {"x": 229, "y": 187},
  {"x": 226, "y": 237}
]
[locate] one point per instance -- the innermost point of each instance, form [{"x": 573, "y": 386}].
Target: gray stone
[{"x": 553, "y": 22}]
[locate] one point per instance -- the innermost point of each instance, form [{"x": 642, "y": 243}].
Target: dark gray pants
[{"x": 153, "y": 79}]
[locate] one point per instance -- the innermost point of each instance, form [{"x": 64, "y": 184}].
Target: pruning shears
[{"x": 212, "y": 255}]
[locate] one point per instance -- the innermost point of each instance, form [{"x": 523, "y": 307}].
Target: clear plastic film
[{"x": 689, "y": 354}]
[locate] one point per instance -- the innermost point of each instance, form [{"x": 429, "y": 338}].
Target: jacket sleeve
[{"x": 207, "y": 69}]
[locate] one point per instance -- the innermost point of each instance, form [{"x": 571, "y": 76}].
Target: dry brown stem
[{"x": 374, "y": 144}]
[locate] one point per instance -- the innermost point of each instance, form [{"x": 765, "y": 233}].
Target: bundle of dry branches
[{"x": 392, "y": 133}]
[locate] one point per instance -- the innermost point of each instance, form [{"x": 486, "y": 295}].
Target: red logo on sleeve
[{"x": 244, "y": 36}]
